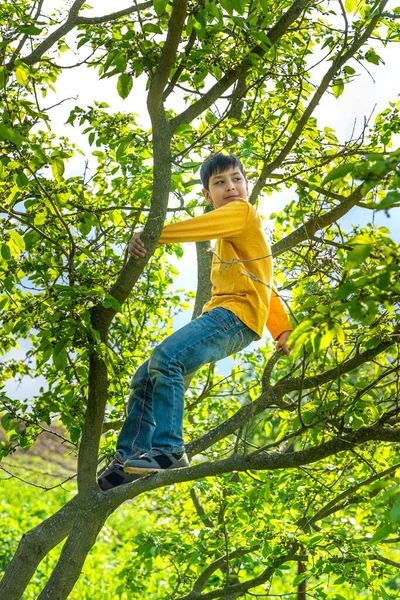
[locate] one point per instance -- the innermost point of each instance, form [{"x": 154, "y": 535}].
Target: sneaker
[
  {"x": 155, "y": 461},
  {"x": 114, "y": 475}
]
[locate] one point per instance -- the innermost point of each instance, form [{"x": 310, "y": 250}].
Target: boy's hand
[
  {"x": 136, "y": 247},
  {"x": 281, "y": 343}
]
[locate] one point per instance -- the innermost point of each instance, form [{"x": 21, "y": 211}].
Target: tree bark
[
  {"x": 203, "y": 292},
  {"x": 88, "y": 523}
]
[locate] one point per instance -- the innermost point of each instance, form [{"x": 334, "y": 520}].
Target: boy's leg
[
  {"x": 137, "y": 431},
  {"x": 213, "y": 336}
]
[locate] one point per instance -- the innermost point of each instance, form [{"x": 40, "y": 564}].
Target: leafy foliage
[{"x": 295, "y": 481}]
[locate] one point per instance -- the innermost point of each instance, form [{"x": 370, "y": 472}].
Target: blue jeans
[{"x": 156, "y": 401}]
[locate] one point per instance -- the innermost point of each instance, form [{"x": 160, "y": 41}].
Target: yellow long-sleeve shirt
[{"x": 242, "y": 269}]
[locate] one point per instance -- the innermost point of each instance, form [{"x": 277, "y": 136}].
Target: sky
[{"x": 367, "y": 95}]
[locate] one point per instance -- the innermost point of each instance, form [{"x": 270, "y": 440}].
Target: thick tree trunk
[
  {"x": 85, "y": 529},
  {"x": 33, "y": 547},
  {"x": 204, "y": 260},
  {"x": 302, "y": 587}
]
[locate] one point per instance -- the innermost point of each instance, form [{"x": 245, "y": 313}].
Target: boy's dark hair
[{"x": 217, "y": 164}]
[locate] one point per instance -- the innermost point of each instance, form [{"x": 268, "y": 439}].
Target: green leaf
[
  {"x": 228, "y": 5},
  {"x": 75, "y": 433},
  {"x": 299, "y": 578},
  {"x": 262, "y": 37},
  {"x": 21, "y": 179},
  {"x": 151, "y": 28},
  {"x": 21, "y": 75},
  {"x": 124, "y": 85},
  {"x": 338, "y": 87},
  {"x": 5, "y": 252},
  {"x": 60, "y": 360},
  {"x": 3, "y": 77},
  {"x": 394, "y": 514},
  {"x": 111, "y": 302},
  {"x": 339, "y": 333},
  {"x": 327, "y": 338},
  {"x": 338, "y": 173},
  {"x": 304, "y": 326},
  {"x": 345, "y": 290},
  {"x": 373, "y": 57},
  {"x": 85, "y": 227},
  {"x": 357, "y": 256},
  {"x": 160, "y": 6},
  {"x": 6, "y": 133},
  {"x": 17, "y": 239},
  {"x": 57, "y": 167},
  {"x": 60, "y": 346},
  {"x": 349, "y": 5},
  {"x": 30, "y": 29},
  {"x": 385, "y": 596},
  {"x": 40, "y": 217},
  {"x": 265, "y": 7},
  {"x": 7, "y": 422},
  {"x": 120, "y": 62},
  {"x": 382, "y": 532},
  {"x": 392, "y": 200},
  {"x": 383, "y": 281}
]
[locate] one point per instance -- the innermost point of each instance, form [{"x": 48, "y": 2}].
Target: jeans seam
[
  {"x": 231, "y": 340},
  {"x": 168, "y": 364},
  {"x": 142, "y": 406}
]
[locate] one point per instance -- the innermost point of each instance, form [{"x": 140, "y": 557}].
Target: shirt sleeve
[
  {"x": 278, "y": 319},
  {"x": 225, "y": 222}
]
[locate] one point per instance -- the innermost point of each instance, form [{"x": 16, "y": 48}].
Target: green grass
[
  {"x": 24, "y": 503},
  {"x": 22, "y": 506}
]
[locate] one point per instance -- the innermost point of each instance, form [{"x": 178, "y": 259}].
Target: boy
[{"x": 243, "y": 301}]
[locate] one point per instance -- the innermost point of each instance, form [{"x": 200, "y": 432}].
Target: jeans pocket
[
  {"x": 235, "y": 343},
  {"x": 241, "y": 339},
  {"x": 224, "y": 317}
]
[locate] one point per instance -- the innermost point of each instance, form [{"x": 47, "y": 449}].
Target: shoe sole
[
  {"x": 149, "y": 470},
  {"x": 114, "y": 479}
]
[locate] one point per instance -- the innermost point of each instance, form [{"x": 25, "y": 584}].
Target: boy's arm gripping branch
[{"x": 225, "y": 222}]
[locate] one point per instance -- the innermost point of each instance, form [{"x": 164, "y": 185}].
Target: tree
[{"x": 312, "y": 433}]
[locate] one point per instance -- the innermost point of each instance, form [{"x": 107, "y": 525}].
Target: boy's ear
[{"x": 207, "y": 195}]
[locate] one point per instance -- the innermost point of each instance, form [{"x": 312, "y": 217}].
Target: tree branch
[
  {"x": 345, "y": 367},
  {"x": 114, "y": 16},
  {"x": 307, "y": 231},
  {"x": 259, "y": 461},
  {"x": 218, "y": 563},
  {"x": 331, "y": 506},
  {"x": 215, "y": 92},
  {"x": 181, "y": 67},
  {"x": 72, "y": 21},
  {"x": 168, "y": 55},
  {"x": 337, "y": 64},
  {"x": 242, "y": 588}
]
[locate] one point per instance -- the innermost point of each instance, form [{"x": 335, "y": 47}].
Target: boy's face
[{"x": 226, "y": 187}]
